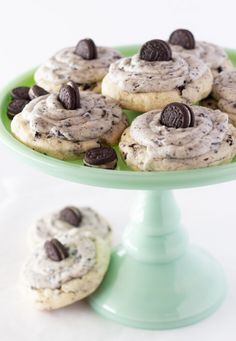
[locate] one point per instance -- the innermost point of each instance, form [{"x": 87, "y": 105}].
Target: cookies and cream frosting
[
  {"x": 209, "y": 131},
  {"x": 65, "y": 65},
  {"x": 41, "y": 272},
  {"x": 136, "y": 75},
  {"x": 214, "y": 56},
  {"x": 46, "y": 115},
  {"x": 224, "y": 90},
  {"x": 92, "y": 224}
]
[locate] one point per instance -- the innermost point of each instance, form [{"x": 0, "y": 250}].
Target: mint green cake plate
[{"x": 156, "y": 279}]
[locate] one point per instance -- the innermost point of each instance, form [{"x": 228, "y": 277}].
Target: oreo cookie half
[
  {"x": 177, "y": 115},
  {"x": 155, "y": 50},
  {"x": 183, "y": 38},
  {"x": 103, "y": 157}
]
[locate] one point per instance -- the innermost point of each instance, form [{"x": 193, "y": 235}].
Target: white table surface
[{"x": 30, "y": 32}]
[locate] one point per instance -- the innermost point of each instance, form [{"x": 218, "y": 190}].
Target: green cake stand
[{"x": 156, "y": 279}]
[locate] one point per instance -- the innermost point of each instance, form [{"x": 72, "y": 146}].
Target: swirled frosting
[
  {"x": 40, "y": 272},
  {"x": 224, "y": 90},
  {"x": 214, "y": 56},
  {"x": 135, "y": 75},
  {"x": 65, "y": 65},
  {"x": 97, "y": 115},
  {"x": 210, "y": 129},
  {"x": 92, "y": 224}
]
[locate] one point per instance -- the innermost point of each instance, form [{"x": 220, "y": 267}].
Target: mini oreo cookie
[
  {"x": 71, "y": 215},
  {"x": 86, "y": 49},
  {"x": 15, "y": 107},
  {"x": 69, "y": 96},
  {"x": 182, "y": 38},
  {"x": 55, "y": 250},
  {"x": 21, "y": 92},
  {"x": 103, "y": 157},
  {"x": 36, "y": 91},
  {"x": 155, "y": 50},
  {"x": 177, "y": 115}
]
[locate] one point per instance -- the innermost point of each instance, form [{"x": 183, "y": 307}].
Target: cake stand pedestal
[{"x": 156, "y": 278}]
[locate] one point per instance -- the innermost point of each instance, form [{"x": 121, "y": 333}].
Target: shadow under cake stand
[{"x": 156, "y": 278}]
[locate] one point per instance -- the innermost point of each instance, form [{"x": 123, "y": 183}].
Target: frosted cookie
[
  {"x": 86, "y": 220},
  {"x": 224, "y": 92},
  {"x": 86, "y": 64},
  {"x": 154, "y": 77},
  {"x": 182, "y": 42},
  {"x": 67, "y": 125},
  {"x": 65, "y": 269},
  {"x": 178, "y": 137}
]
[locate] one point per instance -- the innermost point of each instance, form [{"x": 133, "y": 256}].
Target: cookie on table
[
  {"x": 183, "y": 42},
  {"x": 67, "y": 125},
  {"x": 155, "y": 77},
  {"x": 85, "y": 220},
  {"x": 86, "y": 64},
  {"x": 178, "y": 137},
  {"x": 65, "y": 270},
  {"x": 224, "y": 93}
]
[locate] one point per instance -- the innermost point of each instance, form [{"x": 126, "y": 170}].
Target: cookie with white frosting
[
  {"x": 183, "y": 43},
  {"x": 85, "y": 220},
  {"x": 65, "y": 269},
  {"x": 86, "y": 64},
  {"x": 155, "y": 77},
  {"x": 224, "y": 92},
  {"x": 151, "y": 144},
  {"x": 48, "y": 126}
]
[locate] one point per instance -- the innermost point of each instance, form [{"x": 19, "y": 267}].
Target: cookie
[
  {"x": 155, "y": 77},
  {"x": 64, "y": 270},
  {"x": 86, "y": 64},
  {"x": 36, "y": 91},
  {"x": 184, "y": 44},
  {"x": 16, "y": 106},
  {"x": 87, "y": 221},
  {"x": 150, "y": 144},
  {"x": 20, "y": 92},
  {"x": 224, "y": 93},
  {"x": 45, "y": 125},
  {"x": 103, "y": 157}
]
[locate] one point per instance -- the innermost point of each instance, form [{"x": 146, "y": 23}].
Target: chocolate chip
[
  {"x": 71, "y": 215},
  {"x": 69, "y": 96},
  {"x": 86, "y": 49},
  {"x": 55, "y": 250},
  {"x": 36, "y": 91},
  {"x": 177, "y": 115},
  {"x": 219, "y": 69},
  {"x": 155, "y": 50},
  {"x": 21, "y": 92},
  {"x": 101, "y": 156},
  {"x": 182, "y": 38},
  {"x": 16, "y": 106}
]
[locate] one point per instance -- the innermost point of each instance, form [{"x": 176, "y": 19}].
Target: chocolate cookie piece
[
  {"x": 155, "y": 50},
  {"x": 21, "y": 92},
  {"x": 103, "y": 157},
  {"x": 15, "y": 107},
  {"x": 36, "y": 91},
  {"x": 177, "y": 115},
  {"x": 182, "y": 38},
  {"x": 86, "y": 49},
  {"x": 71, "y": 215},
  {"x": 76, "y": 89},
  {"x": 55, "y": 250},
  {"x": 69, "y": 96}
]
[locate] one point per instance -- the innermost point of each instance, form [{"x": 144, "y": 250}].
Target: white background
[{"x": 30, "y": 31}]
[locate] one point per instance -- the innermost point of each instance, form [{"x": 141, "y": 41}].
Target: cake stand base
[{"x": 156, "y": 279}]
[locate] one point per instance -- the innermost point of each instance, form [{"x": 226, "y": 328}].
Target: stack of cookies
[
  {"x": 70, "y": 253},
  {"x": 182, "y": 91}
]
